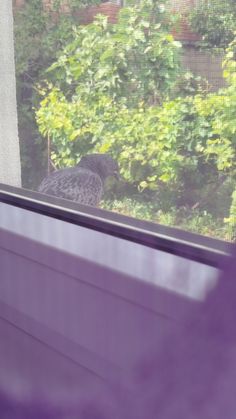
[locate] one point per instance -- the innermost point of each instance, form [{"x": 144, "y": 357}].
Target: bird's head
[{"x": 102, "y": 164}]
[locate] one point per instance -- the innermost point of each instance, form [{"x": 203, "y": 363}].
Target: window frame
[{"x": 206, "y": 250}]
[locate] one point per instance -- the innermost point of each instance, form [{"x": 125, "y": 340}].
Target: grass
[{"x": 196, "y": 221}]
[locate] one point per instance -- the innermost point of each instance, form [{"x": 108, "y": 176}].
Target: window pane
[{"x": 144, "y": 88}]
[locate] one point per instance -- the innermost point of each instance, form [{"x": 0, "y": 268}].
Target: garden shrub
[
  {"x": 38, "y": 42},
  {"x": 105, "y": 89},
  {"x": 215, "y": 20},
  {"x": 115, "y": 88}
]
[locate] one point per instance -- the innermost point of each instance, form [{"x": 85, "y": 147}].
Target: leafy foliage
[
  {"x": 220, "y": 108},
  {"x": 134, "y": 60},
  {"x": 107, "y": 84},
  {"x": 189, "y": 84},
  {"x": 154, "y": 144},
  {"x": 231, "y": 220},
  {"x": 186, "y": 144},
  {"x": 215, "y": 20},
  {"x": 38, "y": 40},
  {"x": 115, "y": 88}
]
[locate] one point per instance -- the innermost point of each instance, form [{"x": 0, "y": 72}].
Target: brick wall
[
  {"x": 184, "y": 32},
  {"x": 17, "y": 3},
  {"x": 182, "y": 6},
  {"x": 111, "y": 10},
  {"x": 88, "y": 14}
]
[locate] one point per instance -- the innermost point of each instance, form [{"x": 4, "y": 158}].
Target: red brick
[{"x": 111, "y": 10}]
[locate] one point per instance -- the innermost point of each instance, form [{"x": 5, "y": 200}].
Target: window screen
[{"x": 126, "y": 106}]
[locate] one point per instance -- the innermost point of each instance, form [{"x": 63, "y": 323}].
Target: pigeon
[{"x": 83, "y": 183}]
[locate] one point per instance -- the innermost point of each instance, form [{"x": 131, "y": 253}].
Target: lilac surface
[{"x": 191, "y": 375}]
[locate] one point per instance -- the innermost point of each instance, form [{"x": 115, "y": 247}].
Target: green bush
[
  {"x": 185, "y": 146},
  {"x": 105, "y": 89},
  {"x": 231, "y": 220},
  {"x": 215, "y": 20},
  {"x": 132, "y": 61},
  {"x": 38, "y": 41},
  {"x": 153, "y": 144},
  {"x": 220, "y": 109}
]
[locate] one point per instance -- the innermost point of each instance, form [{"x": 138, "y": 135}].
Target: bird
[{"x": 83, "y": 183}]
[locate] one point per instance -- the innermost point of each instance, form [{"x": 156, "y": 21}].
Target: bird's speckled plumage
[{"x": 82, "y": 183}]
